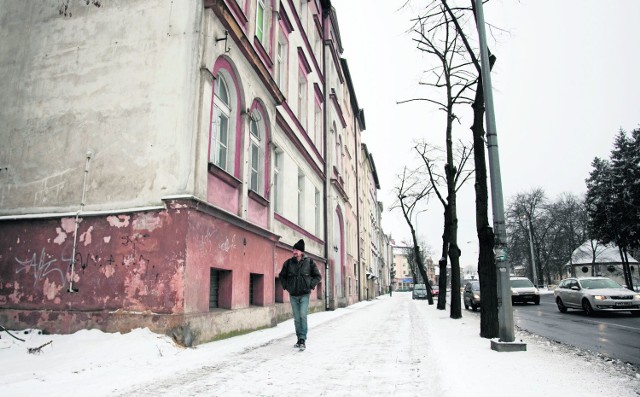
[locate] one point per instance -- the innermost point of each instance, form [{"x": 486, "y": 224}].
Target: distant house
[{"x": 596, "y": 259}]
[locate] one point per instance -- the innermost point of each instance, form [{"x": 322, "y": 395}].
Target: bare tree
[
  {"x": 459, "y": 16},
  {"x": 487, "y": 271},
  {"x": 410, "y": 192},
  {"x": 437, "y": 35},
  {"x": 449, "y": 235},
  {"x": 545, "y": 232}
]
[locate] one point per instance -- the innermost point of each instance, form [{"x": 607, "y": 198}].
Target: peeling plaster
[
  {"x": 177, "y": 286},
  {"x": 148, "y": 222},
  {"x": 62, "y": 236},
  {"x": 16, "y": 295},
  {"x": 86, "y": 236},
  {"x": 69, "y": 224},
  {"x": 50, "y": 289},
  {"x": 108, "y": 271},
  {"x": 106, "y": 239},
  {"x": 119, "y": 221}
]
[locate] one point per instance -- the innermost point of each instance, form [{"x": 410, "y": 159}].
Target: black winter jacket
[{"x": 299, "y": 278}]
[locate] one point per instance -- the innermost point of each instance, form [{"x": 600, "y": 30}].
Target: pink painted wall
[
  {"x": 131, "y": 262},
  {"x": 258, "y": 213},
  {"x": 221, "y": 194},
  {"x": 215, "y": 243}
]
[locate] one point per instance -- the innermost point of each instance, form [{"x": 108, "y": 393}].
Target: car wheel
[
  {"x": 586, "y": 306},
  {"x": 466, "y": 307},
  {"x": 536, "y": 301},
  {"x": 474, "y": 307},
  {"x": 561, "y": 306}
]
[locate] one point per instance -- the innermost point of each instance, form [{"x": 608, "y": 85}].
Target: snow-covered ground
[{"x": 389, "y": 346}]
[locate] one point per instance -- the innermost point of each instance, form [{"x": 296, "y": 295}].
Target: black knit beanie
[{"x": 299, "y": 245}]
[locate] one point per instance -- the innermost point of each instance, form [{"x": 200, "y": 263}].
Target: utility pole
[
  {"x": 505, "y": 310},
  {"x": 534, "y": 272}
]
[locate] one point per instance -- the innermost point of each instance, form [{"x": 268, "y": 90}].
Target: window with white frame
[
  {"x": 221, "y": 131},
  {"x": 302, "y": 98},
  {"x": 300, "y": 198},
  {"x": 260, "y": 21},
  {"x": 318, "y": 211},
  {"x": 317, "y": 126},
  {"x": 277, "y": 180},
  {"x": 348, "y": 236},
  {"x": 317, "y": 44},
  {"x": 304, "y": 12},
  {"x": 256, "y": 156},
  {"x": 281, "y": 64},
  {"x": 340, "y": 153}
]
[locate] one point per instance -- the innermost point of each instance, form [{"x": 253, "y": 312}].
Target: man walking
[{"x": 299, "y": 275}]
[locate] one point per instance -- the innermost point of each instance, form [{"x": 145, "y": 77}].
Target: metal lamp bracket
[{"x": 226, "y": 44}]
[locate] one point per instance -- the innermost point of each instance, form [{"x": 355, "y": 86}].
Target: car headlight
[
  {"x": 599, "y": 297},
  {"x": 636, "y": 296},
  {"x": 514, "y": 292},
  {"x": 476, "y": 296}
]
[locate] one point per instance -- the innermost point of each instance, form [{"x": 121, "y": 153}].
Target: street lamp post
[
  {"x": 534, "y": 273},
  {"x": 505, "y": 310}
]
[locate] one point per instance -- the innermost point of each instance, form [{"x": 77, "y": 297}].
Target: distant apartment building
[{"x": 405, "y": 273}]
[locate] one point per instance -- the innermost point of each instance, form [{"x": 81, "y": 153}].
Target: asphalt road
[{"x": 615, "y": 335}]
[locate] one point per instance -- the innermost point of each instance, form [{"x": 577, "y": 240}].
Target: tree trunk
[
  {"x": 454, "y": 251},
  {"x": 442, "y": 263},
  {"x": 420, "y": 264},
  {"x": 487, "y": 272}
]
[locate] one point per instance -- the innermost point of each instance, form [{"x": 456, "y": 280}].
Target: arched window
[{"x": 221, "y": 132}]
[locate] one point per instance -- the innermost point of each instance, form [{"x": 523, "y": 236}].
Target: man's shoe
[
  {"x": 298, "y": 343},
  {"x": 302, "y": 345}
]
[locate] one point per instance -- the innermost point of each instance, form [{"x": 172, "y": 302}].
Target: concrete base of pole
[{"x": 508, "y": 346}]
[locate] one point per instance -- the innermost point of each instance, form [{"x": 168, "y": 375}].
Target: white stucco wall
[{"x": 120, "y": 79}]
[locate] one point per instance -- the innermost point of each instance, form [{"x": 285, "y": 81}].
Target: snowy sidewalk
[{"x": 389, "y": 346}]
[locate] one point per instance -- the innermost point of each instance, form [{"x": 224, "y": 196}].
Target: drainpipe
[
  {"x": 326, "y": 171},
  {"x": 357, "y": 150},
  {"x": 75, "y": 231}
]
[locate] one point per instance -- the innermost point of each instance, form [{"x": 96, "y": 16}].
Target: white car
[
  {"x": 523, "y": 290},
  {"x": 594, "y": 294}
]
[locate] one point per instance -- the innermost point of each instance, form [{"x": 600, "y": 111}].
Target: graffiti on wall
[
  {"x": 45, "y": 265},
  {"x": 41, "y": 267}
]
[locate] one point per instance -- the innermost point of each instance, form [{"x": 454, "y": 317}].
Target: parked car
[
  {"x": 419, "y": 291},
  {"x": 595, "y": 294},
  {"x": 471, "y": 295},
  {"x": 435, "y": 290},
  {"x": 523, "y": 290}
]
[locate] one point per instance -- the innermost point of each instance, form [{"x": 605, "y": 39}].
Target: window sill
[
  {"x": 258, "y": 198},
  {"x": 262, "y": 52},
  {"x": 224, "y": 176}
]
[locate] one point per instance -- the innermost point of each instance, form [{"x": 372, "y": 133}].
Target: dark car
[
  {"x": 471, "y": 295},
  {"x": 419, "y": 291}
]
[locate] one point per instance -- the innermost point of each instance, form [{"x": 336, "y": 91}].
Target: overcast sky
[{"x": 566, "y": 80}]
